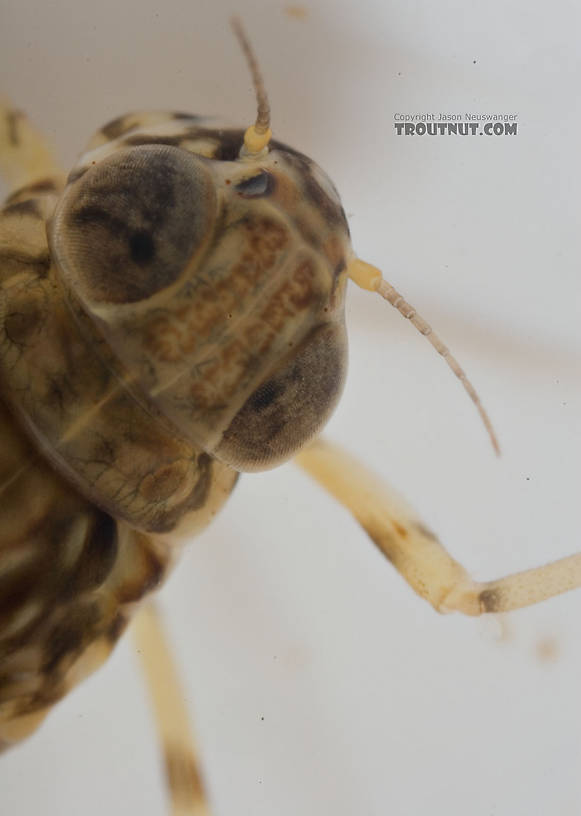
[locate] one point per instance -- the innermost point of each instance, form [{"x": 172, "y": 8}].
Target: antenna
[
  {"x": 257, "y": 136},
  {"x": 369, "y": 277}
]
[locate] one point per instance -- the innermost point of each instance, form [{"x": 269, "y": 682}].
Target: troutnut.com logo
[{"x": 456, "y": 124}]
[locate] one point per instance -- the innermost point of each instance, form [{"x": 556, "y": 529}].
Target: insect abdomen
[
  {"x": 70, "y": 577},
  {"x": 71, "y": 573}
]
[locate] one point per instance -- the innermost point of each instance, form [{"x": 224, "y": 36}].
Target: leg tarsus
[{"x": 416, "y": 552}]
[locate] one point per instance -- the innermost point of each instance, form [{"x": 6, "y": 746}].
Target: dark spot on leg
[
  {"x": 490, "y": 600},
  {"x": 400, "y": 529},
  {"x": 382, "y": 538}
]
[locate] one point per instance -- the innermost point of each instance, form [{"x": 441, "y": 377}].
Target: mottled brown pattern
[
  {"x": 57, "y": 377},
  {"x": 65, "y": 567},
  {"x": 119, "y": 384},
  {"x": 178, "y": 333},
  {"x": 70, "y": 574},
  {"x": 230, "y": 366}
]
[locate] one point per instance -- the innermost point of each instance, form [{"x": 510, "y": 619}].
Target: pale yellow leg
[
  {"x": 415, "y": 551},
  {"x": 25, "y": 157},
  {"x": 171, "y": 716}
]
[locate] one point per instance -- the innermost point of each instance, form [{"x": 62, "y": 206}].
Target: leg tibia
[{"x": 416, "y": 552}]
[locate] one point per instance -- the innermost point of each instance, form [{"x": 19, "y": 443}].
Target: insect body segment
[
  {"x": 208, "y": 275},
  {"x": 70, "y": 579},
  {"x": 169, "y": 316},
  {"x": 75, "y": 399}
]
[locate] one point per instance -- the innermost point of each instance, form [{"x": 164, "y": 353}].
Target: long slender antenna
[
  {"x": 369, "y": 277},
  {"x": 258, "y": 135}
]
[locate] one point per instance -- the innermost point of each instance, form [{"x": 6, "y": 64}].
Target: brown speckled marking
[
  {"x": 129, "y": 409},
  {"x": 230, "y": 366},
  {"x": 63, "y": 574},
  {"x": 175, "y": 335}
]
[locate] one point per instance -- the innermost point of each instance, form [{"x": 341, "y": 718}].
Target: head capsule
[{"x": 217, "y": 278}]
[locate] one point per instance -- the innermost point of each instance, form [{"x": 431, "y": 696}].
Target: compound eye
[
  {"x": 131, "y": 224},
  {"x": 291, "y": 406}
]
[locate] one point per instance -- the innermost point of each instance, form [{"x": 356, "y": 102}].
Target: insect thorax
[{"x": 186, "y": 321}]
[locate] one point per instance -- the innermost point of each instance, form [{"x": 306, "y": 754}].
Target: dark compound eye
[
  {"x": 259, "y": 185},
  {"x": 291, "y": 406},
  {"x": 130, "y": 225}
]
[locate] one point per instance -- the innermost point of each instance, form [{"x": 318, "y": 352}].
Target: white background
[{"x": 372, "y": 703}]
